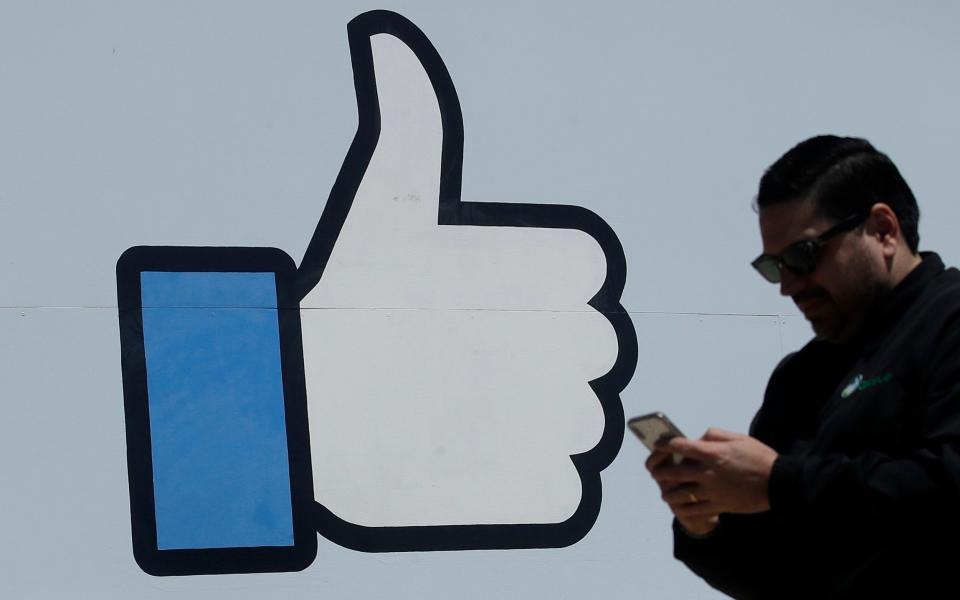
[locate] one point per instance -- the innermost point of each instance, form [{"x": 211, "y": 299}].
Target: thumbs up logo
[{"x": 436, "y": 374}]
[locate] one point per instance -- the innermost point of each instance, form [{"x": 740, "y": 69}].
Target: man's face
[{"x": 847, "y": 280}]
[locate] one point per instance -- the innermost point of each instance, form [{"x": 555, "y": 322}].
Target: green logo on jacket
[{"x": 859, "y": 383}]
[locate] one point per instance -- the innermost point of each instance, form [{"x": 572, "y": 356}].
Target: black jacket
[{"x": 865, "y": 495}]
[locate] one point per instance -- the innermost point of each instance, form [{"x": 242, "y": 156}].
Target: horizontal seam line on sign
[{"x": 385, "y": 308}]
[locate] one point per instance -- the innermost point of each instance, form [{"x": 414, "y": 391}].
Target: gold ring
[{"x": 693, "y": 498}]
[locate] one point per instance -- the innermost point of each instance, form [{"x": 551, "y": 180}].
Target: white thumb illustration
[{"x": 455, "y": 353}]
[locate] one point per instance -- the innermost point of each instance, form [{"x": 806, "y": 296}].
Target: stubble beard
[{"x": 842, "y": 319}]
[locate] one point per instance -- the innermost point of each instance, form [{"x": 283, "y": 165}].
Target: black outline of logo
[{"x": 294, "y": 284}]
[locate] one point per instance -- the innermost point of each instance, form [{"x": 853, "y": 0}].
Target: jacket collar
[{"x": 897, "y": 301}]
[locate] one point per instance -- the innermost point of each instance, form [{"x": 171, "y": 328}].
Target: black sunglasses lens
[
  {"x": 801, "y": 258},
  {"x": 768, "y": 267}
]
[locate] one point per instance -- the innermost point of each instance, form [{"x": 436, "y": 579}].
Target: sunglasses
[{"x": 801, "y": 257}]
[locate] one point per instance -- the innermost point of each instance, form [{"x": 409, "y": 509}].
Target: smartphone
[{"x": 653, "y": 428}]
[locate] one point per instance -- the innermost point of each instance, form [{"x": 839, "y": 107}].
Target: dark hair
[{"x": 843, "y": 176}]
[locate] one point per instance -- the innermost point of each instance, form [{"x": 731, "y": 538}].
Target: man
[{"x": 848, "y": 485}]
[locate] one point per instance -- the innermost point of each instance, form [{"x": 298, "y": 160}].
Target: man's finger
[
  {"x": 715, "y": 434},
  {"x": 686, "y": 493},
  {"x": 698, "y": 450},
  {"x": 684, "y": 472},
  {"x": 669, "y": 486},
  {"x": 656, "y": 459},
  {"x": 705, "y": 508}
]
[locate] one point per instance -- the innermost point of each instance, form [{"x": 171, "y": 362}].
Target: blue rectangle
[{"x": 217, "y": 425}]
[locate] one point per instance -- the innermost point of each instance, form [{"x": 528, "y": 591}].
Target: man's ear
[{"x": 884, "y": 226}]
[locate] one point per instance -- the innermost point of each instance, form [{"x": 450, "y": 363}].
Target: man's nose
[{"x": 790, "y": 282}]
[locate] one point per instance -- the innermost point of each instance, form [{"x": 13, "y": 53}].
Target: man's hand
[
  {"x": 696, "y": 525},
  {"x": 723, "y": 472}
]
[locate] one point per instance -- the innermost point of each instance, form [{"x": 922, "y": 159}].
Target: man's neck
[{"x": 902, "y": 268}]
